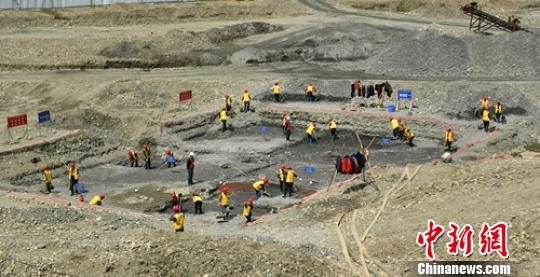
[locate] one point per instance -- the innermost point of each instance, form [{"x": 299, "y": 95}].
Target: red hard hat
[
  {"x": 449, "y": 129},
  {"x": 483, "y": 97},
  {"x": 282, "y": 166},
  {"x": 145, "y": 146},
  {"x": 225, "y": 189},
  {"x": 174, "y": 195},
  {"x": 168, "y": 151},
  {"x": 265, "y": 179},
  {"x": 289, "y": 167},
  {"x": 102, "y": 196},
  {"x": 176, "y": 209},
  {"x": 72, "y": 164},
  {"x": 245, "y": 90},
  {"x": 250, "y": 200},
  {"x": 226, "y": 96},
  {"x": 43, "y": 168}
]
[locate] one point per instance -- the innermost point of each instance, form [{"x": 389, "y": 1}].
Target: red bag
[{"x": 346, "y": 165}]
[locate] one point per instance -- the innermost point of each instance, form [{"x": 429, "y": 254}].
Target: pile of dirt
[
  {"x": 430, "y": 53},
  {"x": 238, "y": 31}
]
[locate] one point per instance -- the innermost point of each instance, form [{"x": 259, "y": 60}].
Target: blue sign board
[
  {"x": 44, "y": 116},
  {"x": 309, "y": 169},
  {"x": 405, "y": 94},
  {"x": 264, "y": 129}
]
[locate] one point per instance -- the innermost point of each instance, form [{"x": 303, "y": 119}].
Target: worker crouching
[
  {"x": 133, "y": 158},
  {"x": 289, "y": 182},
  {"x": 178, "y": 219},
  {"x": 248, "y": 209},
  {"x": 47, "y": 178},
  {"x": 197, "y": 203},
  {"x": 259, "y": 187},
  {"x": 97, "y": 200}
]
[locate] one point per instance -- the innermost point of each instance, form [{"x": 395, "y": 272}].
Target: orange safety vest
[{"x": 449, "y": 136}]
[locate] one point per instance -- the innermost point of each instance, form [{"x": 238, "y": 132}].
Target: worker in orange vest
[
  {"x": 133, "y": 158},
  {"x": 448, "y": 139}
]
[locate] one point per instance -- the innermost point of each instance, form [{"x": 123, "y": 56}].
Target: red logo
[
  {"x": 17, "y": 120},
  {"x": 491, "y": 239},
  {"x": 429, "y": 238},
  {"x": 185, "y": 95},
  {"x": 461, "y": 239},
  {"x": 494, "y": 239}
]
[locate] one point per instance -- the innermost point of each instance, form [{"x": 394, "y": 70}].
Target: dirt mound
[
  {"x": 37, "y": 216},
  {"x": 238, "y": 31},
  {"x": 440, "y": 55}
]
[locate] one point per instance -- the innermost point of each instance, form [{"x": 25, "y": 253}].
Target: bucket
[{"x": 391, "y": 107}]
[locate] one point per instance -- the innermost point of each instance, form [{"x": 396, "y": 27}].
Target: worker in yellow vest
[
  {"x": 147, "y": 153},
  {"x": 197, "y": 202},
  {"x": 310, "y": 132},
  {"x": 73, "y": 173},
  {"x": 246, "y": 99},
  {"x": 224, "y": 202},
  {"x": 448, "y": 139},
  {"x": 332, "y": 125},
  {"x": 394, "y": 122},
  {"x": 224, "y": 116},
  {"x": 248, "y": 209},
  {"x": 276, "y": 90},
  {"x": 228, "y": 102},
  {"x": 485, "y": 120},
  {"x": 498, "y": 112},
  {"x": 289, "y": 182},
  {"x": 97, "y": 200},
  {"x": 408, "y": 135},
  {"x": 47, "y": 178},
  {"x": 259, "y": 186},
  {"x": 310, "y": 90},
  {"x": 281, "y": 176},
  {"x": 178, "y": 219},
  {"x": 484, "y": 103}
]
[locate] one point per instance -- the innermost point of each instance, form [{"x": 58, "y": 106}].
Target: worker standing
[
  {"x": 147, "y": 156},
  {"x": 178, "y": 219},
  {"x": 73, "y": 173},
  {"x": 47, "y": 178},
  {"x": 310, "y": 90},
  {"x": 224, "y": 202},
  {"x": 97, "y": 200},
  {"x": 246, "y": 99},
  {"x": 332, "y": 125},
  {"x": 228, "y": 102},
  {"x": 356, "y": 86},
  {"x": 485, "y": 120},
  {"x": 259, "y": 186},
  {"x": 289, "y": 181},
  {"x": 498, "y": 111},
  {"x": 408, "y": 135},
  {"x": 224, "y": 116},
  {"x": 197, "y": 202},
  {"x": 288, "y": 128},
  {"x": 133, "y": 157},
  {"x": 281, "y": 177},
  {"x": 448, "y": 139},
  {"x": 248, "y": 209},
  {"x": 310, "y": 132},
  {"x": 190, "y": 165},
  {"x": 284, "y": 117},
  {"x": 277, "y": 92},
  {"x": 484, "y": 103},
  {"x": 394, "y": 122}
]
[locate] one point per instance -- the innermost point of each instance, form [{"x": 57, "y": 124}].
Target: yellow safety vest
[
  {"x": 229, "y": 101},
  {"x": 485, "y": 104},
  {"x": 281, "y": 174},
  {"x": 394, "y": 123},
  {"x": 223, "y": 115},
  {"x": 95, "y": 201},
  {"x": 178, "y": 221},
  {"x": 197, "y": 198},
  {"x": 485, "y": 115},
  {"x": 408, "y": 133},
  {"x": 276, "y": 89},
  {"x": 449, "y": 136},
  {"x": 224, "y": 201},
  {"x": 332, "y": 124},
  {"x": 74, "y": 172},
  {"x": 258, "y": 185},
  {"x": 290, "y": 176},
  {"x": 498, "y": 108},
  {"x": 246, "y": 97},
  {"x": 47, "y": 176},
  {"x": 310, "y": 129},
  {"x": 310, "y": 89},
  {"x": 146, "y": 153},
  {"x": 247, "y": 210}
]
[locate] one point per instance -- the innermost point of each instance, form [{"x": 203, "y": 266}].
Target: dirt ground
[{"x": 110, "y": 77}]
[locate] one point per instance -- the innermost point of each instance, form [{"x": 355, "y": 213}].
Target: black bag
[
  {"x": 363, "y": 91},
  {"x": 370, "y": 91},
  {"x": 388, "y": 89},
  {"x": 338, "y": 164},
  {"x": 352, "y": 91}
]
